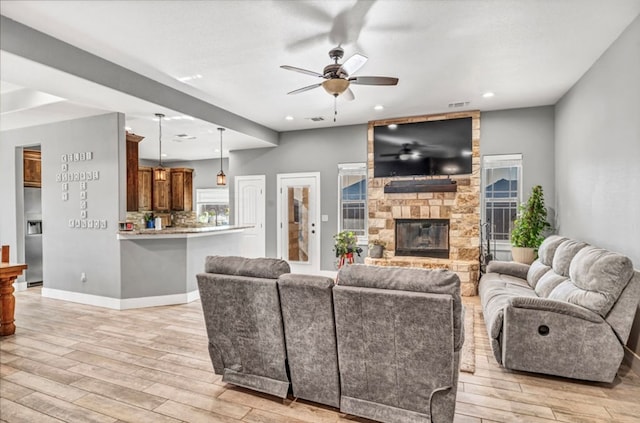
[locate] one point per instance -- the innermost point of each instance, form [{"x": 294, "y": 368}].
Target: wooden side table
[{"x": 8, "y": 273}]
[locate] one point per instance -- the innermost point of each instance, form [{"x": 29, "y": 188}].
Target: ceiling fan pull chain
[{"x": 335, "y": 107}]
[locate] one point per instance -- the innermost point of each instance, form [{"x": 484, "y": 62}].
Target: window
[
  {"x": 352, "y": 201},
  {"x": 502, "y": 193},
  {"x": 213, "y": 205}
]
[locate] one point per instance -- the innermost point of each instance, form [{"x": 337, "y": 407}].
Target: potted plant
[
  {"x": 346, "y": 244},
  {"x": 149, "y": 220},
  {"x": 528, "y": 228},
  {"x": 376, "y": 248}
]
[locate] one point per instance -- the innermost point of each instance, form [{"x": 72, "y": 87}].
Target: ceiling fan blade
[
  {"x": 305, "y": 71},
  {"x": 353, "y": 63},
  {"x": 306, "y": 42},
  {"x": 348, "y": 95},
  {"x": 373, "y": 80},
  {"x": 303, "y": 89}
]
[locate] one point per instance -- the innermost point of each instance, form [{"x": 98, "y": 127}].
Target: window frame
[
  {"x": 346, "y": 169},
  {"x": 500, "y": 161}
]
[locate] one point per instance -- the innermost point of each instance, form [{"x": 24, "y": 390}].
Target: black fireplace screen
[{"x": 422, "y": 237}]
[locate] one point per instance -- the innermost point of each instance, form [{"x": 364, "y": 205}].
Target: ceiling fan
[
  {"x": 405, "y": 153},
  {"x": 337, "y": 77}
]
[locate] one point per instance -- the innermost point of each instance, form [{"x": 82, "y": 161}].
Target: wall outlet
[{"x": 83, "y": 277}]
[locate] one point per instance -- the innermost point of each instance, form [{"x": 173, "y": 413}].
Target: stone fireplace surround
[{"x": 461, "y": 207}]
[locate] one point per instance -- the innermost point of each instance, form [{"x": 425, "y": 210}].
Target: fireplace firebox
[{"x": 422, "y": 237}]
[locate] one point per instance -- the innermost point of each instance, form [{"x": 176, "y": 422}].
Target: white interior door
[
  {"x": 250, "y": 211},
  {"x": 298, "y": 216}
]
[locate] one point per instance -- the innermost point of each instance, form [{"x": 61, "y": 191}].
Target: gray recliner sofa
[
  {"x": 384, "y": 343},
  {"x": 567, "y": 314}
]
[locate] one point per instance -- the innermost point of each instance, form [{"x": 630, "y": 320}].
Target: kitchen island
[{"x": 159, "y": 267}]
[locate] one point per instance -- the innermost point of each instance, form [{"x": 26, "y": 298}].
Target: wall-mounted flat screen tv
[{"x": 438, "y": 147}]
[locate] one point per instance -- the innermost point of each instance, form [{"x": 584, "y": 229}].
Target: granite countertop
[{"x": 180, "y": 232}]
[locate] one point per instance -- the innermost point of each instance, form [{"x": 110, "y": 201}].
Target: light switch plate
[{"x": 324, "y": 217}]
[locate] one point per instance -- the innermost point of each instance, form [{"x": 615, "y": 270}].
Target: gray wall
[
  {"x": 598, "y": 154},
  {"x": 68, "y": 252},
  {"x": 529, "y": 132},
  {"x": 316, "y": 150}
]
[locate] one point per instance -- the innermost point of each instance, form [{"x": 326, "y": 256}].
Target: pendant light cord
[
  {"x": 220, "y": 151},
  {"x": 160, "y": 116}
]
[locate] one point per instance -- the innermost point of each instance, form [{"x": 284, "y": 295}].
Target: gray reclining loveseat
[
  {"x": 567, "y": 314},
  {"x": 384, "y": 343}
]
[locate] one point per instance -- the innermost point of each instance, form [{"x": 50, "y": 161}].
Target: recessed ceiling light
[
  {"x": 189, "y": 78},
  {"x": 378, "y": 107},
  {"x": 392, "y": 126},
  {"x": 488, "y": 94},
  {"x": 217, "y": 150},
  {"x": 289, "y": 117},
  {"x": 164, "y": 154},
  {"x": 127, "y": 128}
]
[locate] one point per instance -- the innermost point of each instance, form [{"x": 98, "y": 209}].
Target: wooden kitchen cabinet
[
  {"x": 161, "y": 194},
  {"x": 181, "y": 189},
  {"x": 133, "y": 192},
  {"x": 145, "y": 190},
  {"x": 32, "y": 168}
]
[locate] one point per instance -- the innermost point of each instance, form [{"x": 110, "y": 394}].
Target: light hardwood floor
[{"x": 75, "y": 363}]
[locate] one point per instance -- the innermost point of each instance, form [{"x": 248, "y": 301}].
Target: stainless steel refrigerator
[{"x": 33, "y": 235}]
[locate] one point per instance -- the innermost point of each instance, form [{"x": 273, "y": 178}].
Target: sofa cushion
[
  {"x": 495, "y": 294},
  {"x": 565, "y": 252},
  {"x": 548, "y": 248},
  {"x": 548, "y": 283},
  {"x": 536, "y": 271},
  {"x": 546, "y": 251},
  {"x": 268, "y": 268},
  {"x": 598, "y": 277}
]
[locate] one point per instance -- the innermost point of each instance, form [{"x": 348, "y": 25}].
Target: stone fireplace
[
  {"x": 422, "y": 237},
  {"x": 456, "y": 247}
]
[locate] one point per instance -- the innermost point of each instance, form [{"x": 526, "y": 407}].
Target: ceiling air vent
[
  {"x": 183, "y": 137},
  {"x": 457, "y": 104},
  {"x": 316, "y": 118}
]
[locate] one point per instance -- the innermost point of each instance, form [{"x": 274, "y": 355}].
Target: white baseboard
[
  {"x": 193, "y": 295},
  {"x": 20, "y": 286},
  {"x": 117, "y": 303}
]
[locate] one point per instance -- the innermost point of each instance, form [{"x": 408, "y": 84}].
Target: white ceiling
[{"x": 529, "y": 53}]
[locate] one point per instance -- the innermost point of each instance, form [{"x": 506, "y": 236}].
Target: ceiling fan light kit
[
  {"x": 337, "y": 76},
  {"x": 335, "y": 87}
]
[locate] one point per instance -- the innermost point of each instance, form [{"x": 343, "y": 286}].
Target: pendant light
[
  {"x": 221, "y": 178},
  {"x": 160, "y": 173}
]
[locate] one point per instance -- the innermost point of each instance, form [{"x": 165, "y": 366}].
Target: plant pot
[
  {"x": 376, "y": 251},
  {"x": 523, "y": 254},
  {"x": 150, "y": 224}
]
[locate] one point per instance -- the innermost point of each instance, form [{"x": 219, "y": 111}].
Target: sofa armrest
[
  {"x": 561, "y": 307},
  {"x": 518, "y": 270}
]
